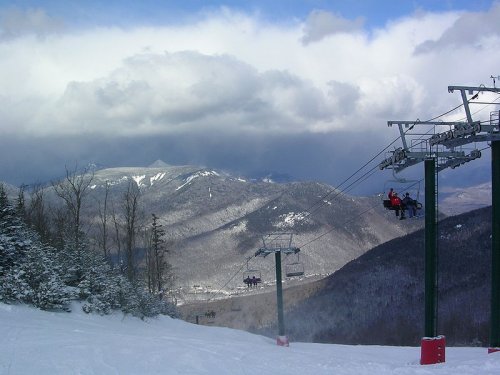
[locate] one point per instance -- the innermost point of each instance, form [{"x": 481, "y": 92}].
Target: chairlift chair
[
  {"x": 387, "y": 202},
  {"x": 252, "y": 277},
  {"x": 294, "y": 269}
]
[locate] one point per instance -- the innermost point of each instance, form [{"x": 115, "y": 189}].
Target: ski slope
[{"x": 37, "y": 342}]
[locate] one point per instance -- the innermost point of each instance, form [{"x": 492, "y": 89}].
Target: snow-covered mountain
[
  {"x": 459, "y": 200},
  {"x": 216, "y": 220}
]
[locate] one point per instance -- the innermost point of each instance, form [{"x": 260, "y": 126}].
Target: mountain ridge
[{"x": 215, "y": 220}]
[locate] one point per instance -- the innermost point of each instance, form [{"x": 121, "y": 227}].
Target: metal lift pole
[
  {"x": 279, "y": 294},
  {"x": 433, "y": 347},
  {"x": 430, "y": 248},
  {"x": 278, "y": 243},
  {"x": 495, "y": 247}
]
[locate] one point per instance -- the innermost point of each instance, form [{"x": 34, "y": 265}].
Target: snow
[
  {"x": 37, "y": 342},
  {"x": 156, "y": 177},
  {"x": 290, "y": 219},
  {"x": 138, "y": 179},
  {"x": 196, "y": 175}
]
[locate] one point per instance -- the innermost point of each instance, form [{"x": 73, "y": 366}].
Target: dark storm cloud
[
  {"x": 304, "y": 156},
  {"x": 329, "y": 158},
  {"x": 154, "y": 93}
]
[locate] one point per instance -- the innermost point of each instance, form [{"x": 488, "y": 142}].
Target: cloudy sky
[{"x": 300, "y": 87}]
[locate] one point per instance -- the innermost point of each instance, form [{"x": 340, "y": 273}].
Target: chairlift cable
[
  {"x": 322, "y": 201},
  {"x": 232, "y": 277},
  {"x": 363, "y": 178},
  {"x": 332, "y": 229},
  {"x": 337, "y": 188}
]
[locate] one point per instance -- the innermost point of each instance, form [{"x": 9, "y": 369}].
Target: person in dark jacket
[{"x": 410, "y": 204}]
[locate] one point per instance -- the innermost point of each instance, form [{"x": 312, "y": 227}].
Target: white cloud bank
[{"x": 234, "y": 72}]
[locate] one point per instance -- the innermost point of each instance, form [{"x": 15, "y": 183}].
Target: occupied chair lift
[
  {"x": 251, "y": 276},
  {"x": 387, "y": 202}
]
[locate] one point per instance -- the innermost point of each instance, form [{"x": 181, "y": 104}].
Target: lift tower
[
  {"x": 439, "y": 152},
  {"x": 278, "y": 243}
]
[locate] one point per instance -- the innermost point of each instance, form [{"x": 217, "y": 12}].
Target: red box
[
  {"x": 282, "y": 341},
  {"x": 433, "y": 350}
]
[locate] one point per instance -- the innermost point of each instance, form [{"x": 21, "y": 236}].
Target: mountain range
[{"x": 215, "y": 221}]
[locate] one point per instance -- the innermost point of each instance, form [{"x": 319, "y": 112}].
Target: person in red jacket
[
  {"x": 390, "y": 194},
  {"x": 397, "y": 204}
]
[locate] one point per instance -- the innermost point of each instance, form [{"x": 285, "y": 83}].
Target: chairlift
[
  {"x": 409, "y": 185},
  {"x": 294, "y": 269},
  {"x": 207, "y": 316},
  {"x": 235, "y": 306},
  {"x": 252, "y": 277}
]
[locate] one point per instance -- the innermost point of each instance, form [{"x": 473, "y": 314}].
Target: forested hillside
[{"x": 379, "y": 297}]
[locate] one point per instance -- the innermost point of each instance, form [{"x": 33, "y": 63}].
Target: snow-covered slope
[
  {"x": 216, "y": 220},
  {"x": 43, "y": 343},
  {"x": 456, "y": 201}
]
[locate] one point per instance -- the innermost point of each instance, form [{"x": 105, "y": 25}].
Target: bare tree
[
  {"x": 103, "y": 218},
  {"x": 21, "y": 202},
  {"x": 130, "y": 210},
  {"x": 36, "y": 212},
  {"x": 117, "y": 237},
  {"x": 72, "y": 190}
]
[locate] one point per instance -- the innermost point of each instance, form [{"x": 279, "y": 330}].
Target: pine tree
[
  {"x": 4, "y": 201},
  {"x": 158, "y": 268},
  {"x": 35, "y": 273},
  {"x": 28, "y": 272}
]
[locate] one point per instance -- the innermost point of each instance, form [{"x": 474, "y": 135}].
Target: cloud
[
  {"x": 207, "y": 87},
  {"x": 16, "y": 22},
  {"x": 470, "y": 29},
  {"x": 320, "y": 24},
  {"x": 184, "y": 91}
]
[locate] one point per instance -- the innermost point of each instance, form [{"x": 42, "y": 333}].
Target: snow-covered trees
[
  {"x": 33, "y": 272},
  {"x": 28, "y": 271}
]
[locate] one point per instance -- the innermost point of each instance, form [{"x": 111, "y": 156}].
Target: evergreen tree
[
  {"x": 28, "y": 272},
  {"x": 158, "y": 269},
  {"x": 4, "y": 201},
  {"x": 35, "y": 273}
]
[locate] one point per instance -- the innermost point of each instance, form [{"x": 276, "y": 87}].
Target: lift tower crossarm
[
  {"x": 471, "y": 91},
  {"x": 418, "y": 122}
]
